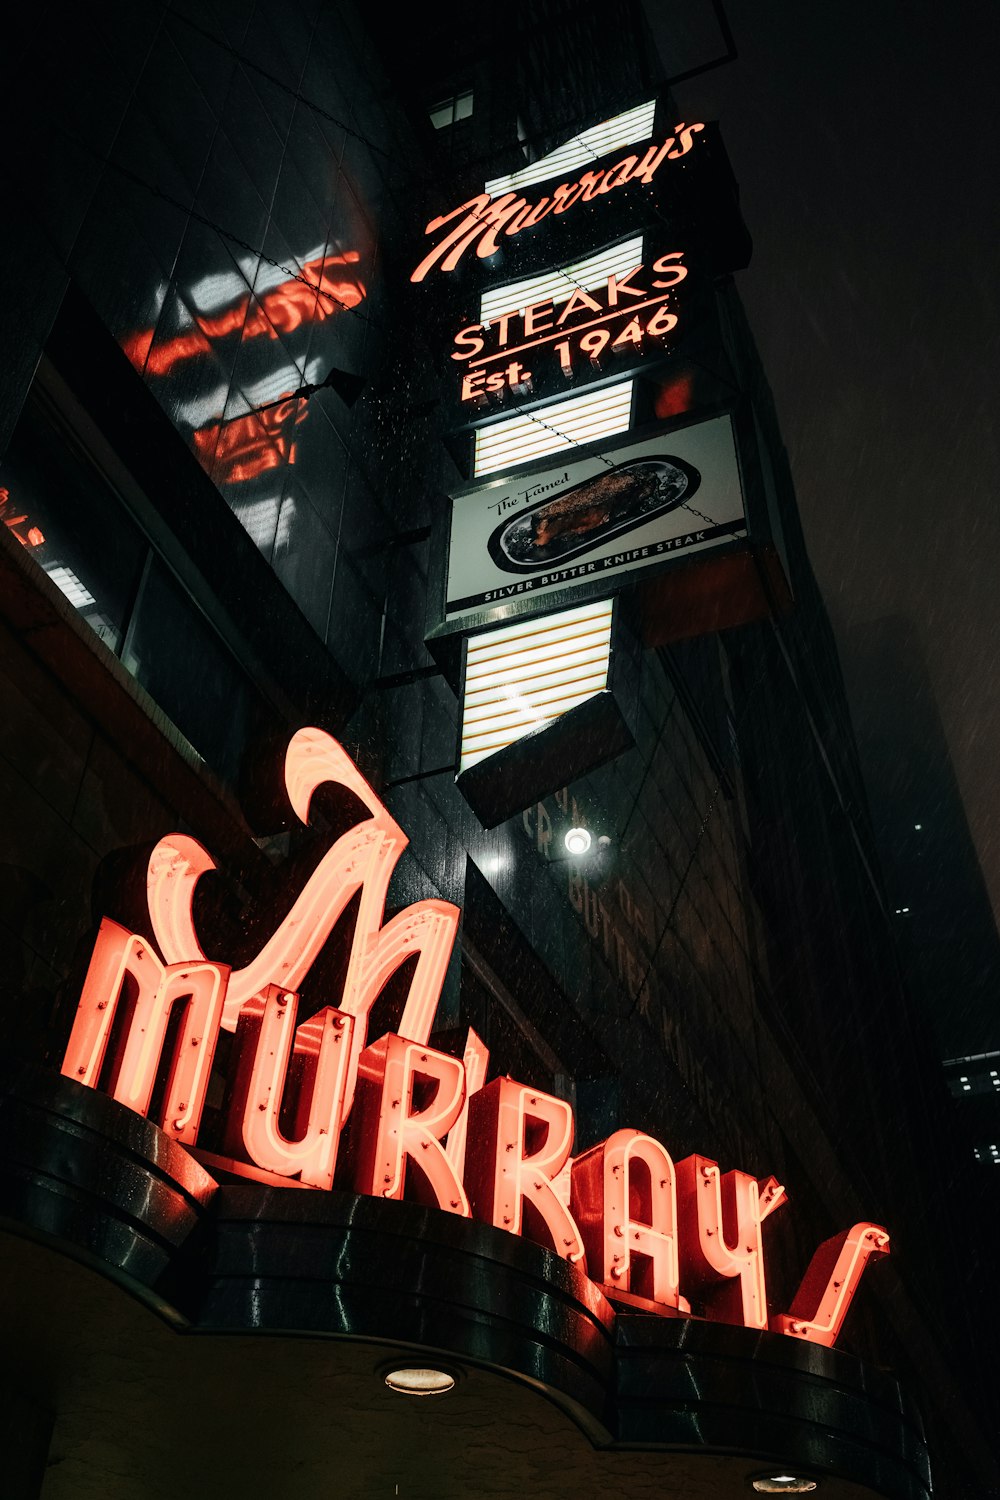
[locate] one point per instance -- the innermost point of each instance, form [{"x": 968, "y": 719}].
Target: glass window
[
  {"x": 174, "y": 653},
  {"x": 458, "y": 107},
  {"x": 62, "y": 510}
]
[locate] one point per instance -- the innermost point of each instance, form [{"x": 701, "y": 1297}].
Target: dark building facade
[
  {"x": 230, "y": 430},
  {"x": 947, "y": 933}
]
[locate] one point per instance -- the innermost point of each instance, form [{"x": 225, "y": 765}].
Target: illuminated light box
[
  {"x": 580, "y": 150},
  {"x": 551, "y": 429},
  {"x": 520, "y": 679},
  {"x": 594, "y": 518},
  {"x": 541, "y": 705},
  {"x": 678, "y": 515},
  {"x": 654, "y": 321},
  {"x": 559, "y": 285}
]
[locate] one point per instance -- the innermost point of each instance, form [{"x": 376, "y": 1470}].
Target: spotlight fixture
[
  {"x": 577, "y": 840},
  {"x": 783, "y": 1484},
  {"x": 419, "y": 1381}
]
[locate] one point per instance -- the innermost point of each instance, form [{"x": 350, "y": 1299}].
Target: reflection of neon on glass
[
  {"x": 185, "y": 346},
  {"x": 32, "y": 537},
  {"x": 281, "y": 310},
  {"x": 249, "y": 446},
  {"x": 67, "y": 582},
  {"x": 219, "y": 288}
]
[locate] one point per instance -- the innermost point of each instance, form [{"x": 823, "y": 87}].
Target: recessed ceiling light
[
  {"x": 577, "y": 840},
  {"x": 783, "y": 1484},
  {"x": 419, "y": 1381}
]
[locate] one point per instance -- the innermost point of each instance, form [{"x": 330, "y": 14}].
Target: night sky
[{"x": 865, "y": 143}]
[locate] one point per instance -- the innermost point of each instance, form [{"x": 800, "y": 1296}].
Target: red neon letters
[
  {"x": 420, "y": 1123},
  {"x": 121, "y": 963},
  {"x": 311, "y": 1063},
  {"x": 625, "y": 1201},
  {"x": 361, "y": 860},
  {"x": 607, "y": 321},
  {"x": 396, "y": 1138},
  {"x": 484, "y": 217},
  {"x": 523, "y": 1139},
  {"x": 829, "y": 1284},
  {"x": 721, "y": 1248}
]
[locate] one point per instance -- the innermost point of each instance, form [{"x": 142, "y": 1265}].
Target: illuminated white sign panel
[
  {"x": 580, "y": 150},
  {"x": 521, "y": 678},
  {"x": 553, "y": 428},
  {"x": 595, "y": 519},
  {"x": 559, "y": 285}
]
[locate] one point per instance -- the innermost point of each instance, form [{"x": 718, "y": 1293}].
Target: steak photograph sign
[{"x": 586, "y": 520}]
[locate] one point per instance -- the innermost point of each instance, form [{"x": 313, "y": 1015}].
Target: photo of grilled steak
[
  {"x": 581, "y": 517},
  {"x": 604, "y": 499}
]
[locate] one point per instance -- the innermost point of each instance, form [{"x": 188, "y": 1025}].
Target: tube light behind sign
[
  {"x": 621, "y": 130},
  {"x": 521, "y": 678},
  {"x": 559, "y": 285},
  {"x": 550, "y": 429}
]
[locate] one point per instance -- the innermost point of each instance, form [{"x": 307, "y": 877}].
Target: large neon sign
[
  {"x": 481, "y": 220},
  {"x": 417, "y": 1122}
]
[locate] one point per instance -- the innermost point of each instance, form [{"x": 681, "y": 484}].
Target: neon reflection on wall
[
  {"x": 17, "y": 524},
  {"x": 422, "y": 1124},
  {"x": 248, "y": 446},
  {"x": 480, "y": 220}
]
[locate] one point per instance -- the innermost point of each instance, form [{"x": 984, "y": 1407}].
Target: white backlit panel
[
  {"x": 559, "y": 285},
  {"x": 76, "y": 592},
  {"x": 520, "y": 678},
  {"x": 213, "y": 293},
  {"x": 581, "y": 150},
  {"x": 549, "y": 429}
]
